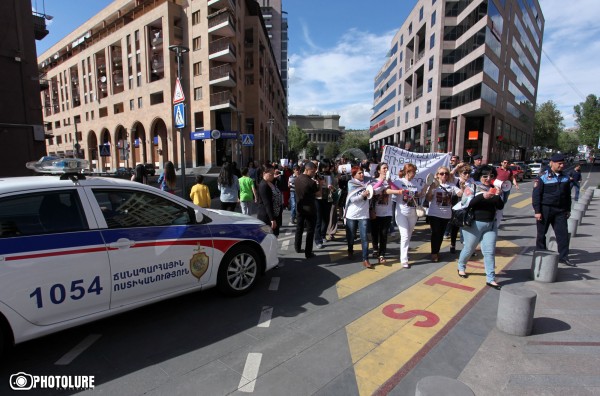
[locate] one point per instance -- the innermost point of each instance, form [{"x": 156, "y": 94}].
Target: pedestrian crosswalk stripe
[{"x": 522, "y": 204}]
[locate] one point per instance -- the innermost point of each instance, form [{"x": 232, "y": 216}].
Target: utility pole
[
  {"x": 179, "y": 50},
  {"x": 76, "y": 145}
]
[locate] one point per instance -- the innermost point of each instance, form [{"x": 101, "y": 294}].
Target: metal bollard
[
  {"x": 544, "y": 266},
  {"x": 515, "y": 310},
  {"x": 572, "y": 225},
  {"x": 437, "y": 385}
]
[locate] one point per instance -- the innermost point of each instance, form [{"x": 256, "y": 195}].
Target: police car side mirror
[{"x": 199, "y": 216}]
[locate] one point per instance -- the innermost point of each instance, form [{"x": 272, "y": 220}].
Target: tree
[
  {"x": 332, "y": 149},
  {"x": 568, "y": 142},
  {"x": 355, "y": 139},
  {"x": 587, "y": 116},
  {"x": 297, "y": 139},
  {"x": 312, "y": 151},
  {"x": 548, "y": 124}
]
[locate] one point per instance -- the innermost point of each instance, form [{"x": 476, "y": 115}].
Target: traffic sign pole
[{"x": 179, "y": 97}]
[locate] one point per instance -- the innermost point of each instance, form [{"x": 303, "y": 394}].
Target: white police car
[{"x": 76, "y": 249}]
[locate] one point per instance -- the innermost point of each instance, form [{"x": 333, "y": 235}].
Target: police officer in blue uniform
[{"x": 551, "y": 201}]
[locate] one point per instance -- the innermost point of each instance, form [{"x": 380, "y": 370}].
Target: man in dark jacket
[
  {"x": 551, "y": 200},
  {"x": 576, "y": 180},
  {"x": 306, "y": 188}
]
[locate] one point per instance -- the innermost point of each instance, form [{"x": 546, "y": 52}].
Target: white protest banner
[{"x": 426, "y": 163}]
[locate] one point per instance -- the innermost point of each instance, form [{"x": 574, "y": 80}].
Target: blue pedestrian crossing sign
[
  {"x": 247, "y": 140},
  {"x": 179, "y": 115},
  {"x": 104, "y": 150}
]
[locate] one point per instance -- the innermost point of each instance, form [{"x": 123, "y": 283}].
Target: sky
[{"x": 336, "y": 47}]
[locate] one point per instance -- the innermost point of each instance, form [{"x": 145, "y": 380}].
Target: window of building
[
  {"x": 430, "y": 84},
  {"x": 197, "y": 68},
  {"x": 431, "y": 63},
  {"x": 56, "y": 124},
  {"x": 433, "y": 18},
  {"x": 196, "y": 43},
  {"x": 432, "y": 41},
  {"x": 410, "y": 29},
  {"x": 429, "y": 106},
  {"x": 139, "y": 79},
  {"x": 406, "y": 117},
  {"x": 103, "y": 112},
  {"x": 196, "y": 18},
  {"x": 416, "y": 112},
  {"x": 156, "y": 98},
  {"x": 421, "y": 14},
  {"x": 401, "y": 39},
  {"x": 131, "y": 104},
  {"x": 140, "y": 102},
  {"x": 198, "y": 93}
]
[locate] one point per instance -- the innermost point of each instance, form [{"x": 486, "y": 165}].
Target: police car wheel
[
  {"x": 5, "y": 344},
  {"x": 238, "y": 271}
]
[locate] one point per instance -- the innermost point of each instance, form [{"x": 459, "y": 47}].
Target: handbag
[
  {"x": 462, "y": 217},
  {"x": 420, "y": 210}
]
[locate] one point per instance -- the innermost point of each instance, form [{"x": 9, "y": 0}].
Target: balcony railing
[
  {"x": 221, "y": 44},
  {"x": 221, "y": 72},
  {"x": 222, "y": 98}
]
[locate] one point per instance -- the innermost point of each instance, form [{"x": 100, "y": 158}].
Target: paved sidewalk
[{"x": 562, "y": 356}]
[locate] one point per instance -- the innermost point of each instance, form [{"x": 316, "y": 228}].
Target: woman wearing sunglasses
[
  {"x": 441, "y": 194},
  {"x": 484, "y": 229},
  {"x": 464, "y": 181}
]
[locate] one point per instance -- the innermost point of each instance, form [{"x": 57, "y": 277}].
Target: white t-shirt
[
  {"x": 357, "y": 207},
  {"x": 382, "y": 201},
  {"x": 440, "y": 205},
  {"x": 404, "y": 202}
]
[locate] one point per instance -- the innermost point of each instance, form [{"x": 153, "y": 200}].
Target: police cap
[
  {"x": 476, "y": 157},
  {"x": 557, "y": 158}
]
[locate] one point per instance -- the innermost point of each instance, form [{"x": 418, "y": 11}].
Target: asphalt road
[{"x": 322, "y": 326}]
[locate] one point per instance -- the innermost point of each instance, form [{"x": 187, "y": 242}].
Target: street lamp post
[
  {"x": 271, "y": 121},
  {"x": 76, "y": 145},
  {"x": 179, "y": 50}
]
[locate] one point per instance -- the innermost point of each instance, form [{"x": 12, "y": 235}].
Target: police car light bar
[{"x": 58, "y": 165}]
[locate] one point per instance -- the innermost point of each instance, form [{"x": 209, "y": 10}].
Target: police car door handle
[{"x": 121, "y": 243}]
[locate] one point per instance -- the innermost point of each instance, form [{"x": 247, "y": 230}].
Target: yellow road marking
[
  {"x": 385, "y": 339},
  {"x": 514, "y": 195},
  {"x": 522, "y": 204}
]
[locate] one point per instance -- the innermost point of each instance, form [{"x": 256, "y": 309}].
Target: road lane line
[
  {"x": 265, "y": 317},
  {"x": 514, "y": 195},
  {"x": 285, "y": 244},
  {"x": 248, "y": 380},
  {"x": 522, "y": 204},
  {"x": 78, "y": 349},
  {"x": 387, "y": 339},
  {"x": 274, "y": 285}
]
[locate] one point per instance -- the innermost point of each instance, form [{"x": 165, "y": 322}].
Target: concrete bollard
[
  {"x": 596, "y": 192},
  {"x": 585, "y": 201},
  {"x": 589, "y": 193},
  {"x": 577, "y": 214},
  {"x": 551, "y": 243},
  {"x": 572, "y": 225},
  {"x": 544, "y": 266},
  {"x": 515, "y": 310},
  {"x": 437, "y": 385},
  {"x": 580, "y": 207}
]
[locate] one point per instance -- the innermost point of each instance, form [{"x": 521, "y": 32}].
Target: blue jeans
[
  {"x": 577, "y": 187},
  {"x": 485, "y": 233},
  {"x": 293, "y": 204},
  {"x": 351, "y": 226}
]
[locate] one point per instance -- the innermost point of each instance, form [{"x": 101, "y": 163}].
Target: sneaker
[
  {"x": 406, "y": 265},
  {"x": 446, "y": 236},
  {"x": 567, "y": 262},
  {"x": 319, "y": 246}
]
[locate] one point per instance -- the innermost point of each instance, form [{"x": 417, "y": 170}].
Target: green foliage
[
  {"x": 587, "y": 115},
  {"x": 332, "y": 149},
  {"x": 355, "y": 139},
  {"x": 548, "y": 124},
  {"x": 568, "y": 142},
  {"x": 312, "y": 151},
  {"x": 297, "y": 139}
]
